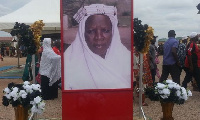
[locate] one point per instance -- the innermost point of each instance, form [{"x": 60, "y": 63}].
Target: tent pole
[
  {"x": 18, "y": 45},
  {"x": 18, "y": 56}
]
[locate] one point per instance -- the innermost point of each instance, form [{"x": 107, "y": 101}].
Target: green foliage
[
  {"x": 25, "y": 36},
  {"x": 151, "y": 94},
  {"x": 139, "y": 34},
  {"x": 5, "y": 44},
  {"x": 178, "y": 38}
]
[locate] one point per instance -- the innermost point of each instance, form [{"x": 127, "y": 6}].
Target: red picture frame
[{"x": 97, "y": 104}]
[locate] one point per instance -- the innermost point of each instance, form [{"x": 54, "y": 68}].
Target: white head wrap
[
  {"x": 193, "y": 34},
  {"x": 50, "y": 64},
  {"x": 184, "y": 37},
  {"x": 84, "y": 69}
]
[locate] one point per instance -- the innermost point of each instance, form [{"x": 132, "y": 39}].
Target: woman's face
[{"x": 98, "y": 34}]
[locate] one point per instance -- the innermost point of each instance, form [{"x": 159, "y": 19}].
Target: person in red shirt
[
  {"x": 56, "y": 47},
  {"x": 192, "y": 62}
]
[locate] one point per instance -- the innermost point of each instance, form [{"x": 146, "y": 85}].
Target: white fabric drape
[
  {"x": 50, "y": 64},
  {"x": 85, "y": 70}
]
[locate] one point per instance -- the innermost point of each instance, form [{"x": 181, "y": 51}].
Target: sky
[
  {"x": 162, "y": 15},
  {"x": 8, "y": 6},
  {"x": 165, "y": 15}
]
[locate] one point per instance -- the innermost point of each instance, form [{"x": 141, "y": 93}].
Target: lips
[{"x": 99, "y": 46}]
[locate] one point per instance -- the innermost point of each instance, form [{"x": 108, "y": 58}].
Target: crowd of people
[
  {"x": 182, "y": 55},
  {"x": 11, "y": 51},
  {"x": 178, "y": 56}
]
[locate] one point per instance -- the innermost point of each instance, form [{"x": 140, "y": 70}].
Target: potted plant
[
  {"x": 23, "y": 97},
  {"x": 167, "y": 93}
]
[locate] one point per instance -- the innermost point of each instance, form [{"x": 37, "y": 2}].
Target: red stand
[{"x": 116, "y": 105}]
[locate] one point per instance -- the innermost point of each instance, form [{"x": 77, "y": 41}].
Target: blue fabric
[
  {"x": 5, "y": 68},
  {"x": 10, "y": 77},
  {"x": 168, "y": 58}
]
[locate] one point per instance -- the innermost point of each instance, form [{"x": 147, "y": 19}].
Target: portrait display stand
[{"x": 105, "y": 90}]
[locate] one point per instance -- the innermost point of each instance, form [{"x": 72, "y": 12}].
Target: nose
[{"x": 99, "y": 35}]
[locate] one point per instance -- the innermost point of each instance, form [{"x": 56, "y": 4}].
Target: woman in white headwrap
[
  {"x": 50, "y": 70},
  {"x": 97, "y": 59}
]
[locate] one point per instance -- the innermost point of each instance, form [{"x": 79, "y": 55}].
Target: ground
[
  {"x": 188, "y": 111},
  {"x": 53, "y": 110}
]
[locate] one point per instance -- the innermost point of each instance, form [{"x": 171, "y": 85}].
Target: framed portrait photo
[
  {"x": 96, "y": 53},
  {"x": 96, "y": 44}
]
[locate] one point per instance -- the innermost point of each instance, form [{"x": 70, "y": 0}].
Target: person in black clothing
[
  {"x": 152, "y": 57},
  {"x": 2, "y": 51},
  {"x": 192, "y": 62}
]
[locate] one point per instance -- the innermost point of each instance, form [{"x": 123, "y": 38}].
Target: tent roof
[{"x": 46, "y": 10}]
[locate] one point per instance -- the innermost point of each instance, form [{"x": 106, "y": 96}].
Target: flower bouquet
[
  {"x": 26, "y": 94},
  {"x": 168, "y": 91}
]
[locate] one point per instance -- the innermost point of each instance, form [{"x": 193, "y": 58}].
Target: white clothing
[{"x": 50, "y": 64}]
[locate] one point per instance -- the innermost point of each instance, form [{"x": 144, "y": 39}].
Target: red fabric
[
  {"x": 189, "y": 52},
  {"x": 56, "y": 50},
  {"x": 186, "y": 62},
  {"x": 40, "y": 49},
  {"x": 38, "y": 78},
  {"x": 147, "y": 78}
]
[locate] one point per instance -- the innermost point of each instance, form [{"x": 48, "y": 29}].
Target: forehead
[{"x": 98, "y": 19}]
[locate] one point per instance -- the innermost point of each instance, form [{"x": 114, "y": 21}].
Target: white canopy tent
[{"x": 46, "y": 10}]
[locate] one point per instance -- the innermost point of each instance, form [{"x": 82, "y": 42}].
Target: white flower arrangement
[
  {"x": 38, "y": 105},
  {"x": 26, "y": 94},
  {"x": 168, "y": 91}
]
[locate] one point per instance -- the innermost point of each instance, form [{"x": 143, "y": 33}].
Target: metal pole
[
  {"x": 31, "y": 117},
  {"x": 33, "y": 68},
  {"x": 143, "y": 113},
  {"x": 18, "y": 45},
  {"x": 140, "y": 85},
  {"x": 34, "y": 81},
  {"x": 18, "y": 55}
]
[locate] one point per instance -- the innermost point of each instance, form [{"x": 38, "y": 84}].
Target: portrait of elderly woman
[{"x": 97, "y": 59}]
